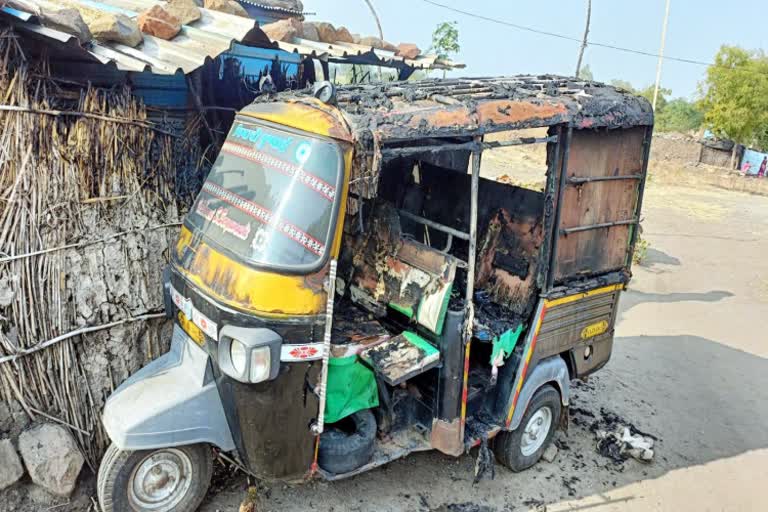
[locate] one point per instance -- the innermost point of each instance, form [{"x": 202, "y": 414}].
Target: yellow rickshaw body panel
[
  {"x": 309, "y": 115},
  {"x": 238, "y": 285}
]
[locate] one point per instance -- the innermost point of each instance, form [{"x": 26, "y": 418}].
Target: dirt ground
[{"x": 690, "y": 366}]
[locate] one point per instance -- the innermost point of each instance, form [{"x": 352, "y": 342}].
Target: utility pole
[
  {"x": 376, "y": 17},
  {"x": 661, "y": 55},
  {"x": 584, "y": 41}
]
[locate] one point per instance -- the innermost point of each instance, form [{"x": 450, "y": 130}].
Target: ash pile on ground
[
  {"x": 608, "y": 427},
  {"x": 582, "y": 453}
]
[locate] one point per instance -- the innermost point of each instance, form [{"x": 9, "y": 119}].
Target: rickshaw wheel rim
[
  {"x": 160, "y": 481},
  {"x": 536, "y": 431}
]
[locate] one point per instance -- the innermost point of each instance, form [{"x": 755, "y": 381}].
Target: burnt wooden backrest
[{"x": 604, "y": 172}]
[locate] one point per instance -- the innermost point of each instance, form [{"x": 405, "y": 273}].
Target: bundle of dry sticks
[{"x": 79, "y": 167}]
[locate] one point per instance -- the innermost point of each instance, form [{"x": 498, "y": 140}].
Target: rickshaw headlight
[
  {"x": 260, "y": 364},
  {"x": 247, "y": 354},
  {"x": 238, "y": 355}
]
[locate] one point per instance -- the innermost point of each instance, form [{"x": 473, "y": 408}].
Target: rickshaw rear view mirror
[{"x": 249, "y": 355}]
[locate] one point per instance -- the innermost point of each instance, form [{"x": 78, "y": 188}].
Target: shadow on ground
[
  {"x": 654, "y": 258},
  {"x": 632, "y": 298}
]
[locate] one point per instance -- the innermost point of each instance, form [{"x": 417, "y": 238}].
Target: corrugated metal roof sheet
[
  {"x": 339, "y": 51},
  {"x": 213, "y": 34}
]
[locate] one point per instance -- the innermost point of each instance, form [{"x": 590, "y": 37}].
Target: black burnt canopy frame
[
  {"x": 449, "y": 231},
  {"x": 476, "y": 145},
  {"x": 562, "y": 169},
  {"x": 551, "y": 203}
]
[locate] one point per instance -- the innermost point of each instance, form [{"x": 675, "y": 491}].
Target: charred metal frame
[
  {"x": 550, "y": 201},
  {"x": 562, "y": 150},
  {"x": 451, "y": 232},
  {"x": 640, "y": 192},
  {"x": 464, "y": 146},
  {"x": 575, "y": 180},
  {"x": 562, "y": 182},
  {"x": 473, "y": 221},
  {"x": 589, "y": 227},
  {"x": 436, "y": 225}
]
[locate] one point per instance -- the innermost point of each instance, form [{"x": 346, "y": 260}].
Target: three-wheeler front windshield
[{"x": 270, "y": 197}]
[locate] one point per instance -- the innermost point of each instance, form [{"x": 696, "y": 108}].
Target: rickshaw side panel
[
  {"x": 614, "y": 160},
  {"x": 580, "y": 327}
]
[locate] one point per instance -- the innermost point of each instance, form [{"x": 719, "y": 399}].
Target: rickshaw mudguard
[
  {"x": 550, "y": 370},
  {"x": 172, "y": 401}
]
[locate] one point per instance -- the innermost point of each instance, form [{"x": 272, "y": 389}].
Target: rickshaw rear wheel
[
  {"x": 521, "y": 448},
  {"x": 162, "y": 480}
]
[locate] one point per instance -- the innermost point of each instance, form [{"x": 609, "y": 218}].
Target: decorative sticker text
[
  {"x": 220, "y": 217},
  {"x": 307, "y": 179},
  {"x": 265, "y": 216}
]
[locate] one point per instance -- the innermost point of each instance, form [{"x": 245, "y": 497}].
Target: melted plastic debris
[
  {"x": 621, "y": 444},
  {"x": 617, "y": 438}
]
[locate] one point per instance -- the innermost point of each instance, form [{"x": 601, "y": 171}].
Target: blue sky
[{"x": 697, "y": 28}]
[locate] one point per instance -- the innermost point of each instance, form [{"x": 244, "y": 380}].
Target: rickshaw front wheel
[{"x": 162, "y": 480}]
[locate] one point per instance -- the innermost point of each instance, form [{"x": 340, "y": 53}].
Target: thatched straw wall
[{"x": 88, "y": 207}]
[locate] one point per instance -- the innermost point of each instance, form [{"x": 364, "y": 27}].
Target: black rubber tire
[
  {"x": 341, "y": 452},
  {"x": 117, "y": 467},
  {"x": 506, "y": 446}
]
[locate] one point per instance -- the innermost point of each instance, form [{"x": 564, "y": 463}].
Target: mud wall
[
  {"x": 675, "y": 147},
  {"x": 717, "y": 157}
]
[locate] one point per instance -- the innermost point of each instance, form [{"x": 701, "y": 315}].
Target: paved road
[{"x": 690, "y": 366}]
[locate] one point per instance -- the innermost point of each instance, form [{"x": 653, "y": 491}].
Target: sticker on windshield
[
  {"x": 261, "y": 138},
  {"x": 220, "y": 217},
  {"x": 259, "y": 242},
  {"x": 306, "y": 178},
  {"x": 264, "y": 216}
]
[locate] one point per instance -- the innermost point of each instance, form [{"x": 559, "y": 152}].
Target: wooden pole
[{"x": 584, "y": 41}]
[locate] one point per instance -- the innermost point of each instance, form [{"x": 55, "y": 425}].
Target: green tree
[
  {"x": 445, "y": 40},
  {"x": 735, "y": 96},
  {"x": 661, "y": 101},
  {"x": 622, "y": 84},
  {"x": 672, "y": 115},
  {"x": 679, "y": 115}
]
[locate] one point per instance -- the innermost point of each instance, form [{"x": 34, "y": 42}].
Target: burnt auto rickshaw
[{"x": 347, "y": 289}]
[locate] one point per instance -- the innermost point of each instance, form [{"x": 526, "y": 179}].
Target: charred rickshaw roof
[{"x": 473, "y": 106}]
